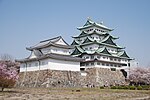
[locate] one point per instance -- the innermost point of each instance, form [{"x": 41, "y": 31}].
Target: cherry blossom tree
[
  {"x": 8, "y": 74},
  {"x": 140, "y": 76}
]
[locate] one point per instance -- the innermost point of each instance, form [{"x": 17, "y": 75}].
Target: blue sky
[{"x": 24, "y": 23}]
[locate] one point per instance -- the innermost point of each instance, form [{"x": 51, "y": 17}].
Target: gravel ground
[{"x": 73, "y": 94}]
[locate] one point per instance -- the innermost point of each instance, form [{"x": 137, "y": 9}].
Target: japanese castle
[
  {"x": 93, "y": 47},
  {"x": 96, "y": 46}
]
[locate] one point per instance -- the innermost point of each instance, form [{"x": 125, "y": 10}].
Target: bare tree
[{"x": 6, "y": 57}]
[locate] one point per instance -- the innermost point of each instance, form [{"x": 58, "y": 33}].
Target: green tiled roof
[
  {"x": 123, "y": 54},
  {"x": 108, "y": 40},
  {"x": 90, "y": 23},
  {"x": 103, "y": 50},
  {"x": 98, "y": 42},
  {"x": 84, "y": 34},
  {"x": 75, "y": 42},
  {"x": 88, "y": 39},
  {"x": 77, "y": 51}
]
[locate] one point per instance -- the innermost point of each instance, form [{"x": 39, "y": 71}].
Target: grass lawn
[{"x": 73, "y": 94}]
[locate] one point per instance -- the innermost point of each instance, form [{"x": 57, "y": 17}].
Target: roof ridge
[{"x": 51, "y": 39}]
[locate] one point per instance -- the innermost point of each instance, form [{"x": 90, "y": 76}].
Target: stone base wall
[{"x": 53, "y": 78}]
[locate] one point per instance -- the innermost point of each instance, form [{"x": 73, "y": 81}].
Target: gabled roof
[
  {"x": 50, "y": 42},
  {"x": 123, "y": 54},
  {"x": 90, "y": 23},
  {"x": 103, "y": 51},
  {"x": 75, "y": 42},
  {"x": 99, "y": 42},
  {"x": 78, "y": 50},
  {"x": 53, "y": 56},
  {"x": 108, "y": 40},
  {"x": 83, "y": 33},
  {"x": 87, "y": 40}
]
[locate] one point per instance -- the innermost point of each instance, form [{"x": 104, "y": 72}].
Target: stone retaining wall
[{"x": 53, "y": 78}]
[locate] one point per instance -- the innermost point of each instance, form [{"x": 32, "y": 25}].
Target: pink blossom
[{"x": 8, "y": 73}]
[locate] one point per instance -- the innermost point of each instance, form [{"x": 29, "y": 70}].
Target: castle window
[
  {"x": 107, "y": 64},
  {"x": 82, "y": 64},
  {"x": 103, "y": 64},
  {"x": 111, "y": 59},
  {"x": 36, "y": 64},
  {"x": 92, "y": 57},
  {"x": 43, "y": 63},
  {"x": 98, "y": 63},
  {"x": 55, "y": 50},
  {"x": 87, "y": 57},
  {"x": 104, "y": 57},
  {"x": 129, "y": 64},
  {"x": 98, "y": 57},
  {"x": 29, "y": 65},
  {"x": 87, "y": 64},
  {"x": 86, "y": 48},
  {"x": 92, "y": 63},
  {"x": 24, "y": 65}
]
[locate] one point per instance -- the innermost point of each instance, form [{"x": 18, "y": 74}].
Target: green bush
[
  {"x": 145, "y": 87},
  {"x": 132, "y": 87},
  {"x": 125, "y": 87},
  {"x": 120, "y": 87},
  {"x": 101, "y": 87},
  {"x": 114, "y": 87},
  {"x": 139, "y": 87}
]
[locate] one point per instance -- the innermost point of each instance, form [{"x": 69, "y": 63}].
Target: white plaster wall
[
  {"x": 51, "y": 64},
  {"x": 46, "y": 50},
  {"x": 63, "y": 65},
  {"x": 60, "y": 50},
  {"x": 32, "y": 55},
  {"x": 88, "y": 29},
  {"x": 23, "y": 67},
  {"x": 112, "y": 50},
  {"x": 85, "y": 57},
  {"x": 96, "y": 37},
  {"x": 94, "y": 46},
  {"x": 81, "y": 39},
  {"x": 94, "y": 28},
  {"x": 32, "y": 67},
  {"x": 55, "y": 50}
]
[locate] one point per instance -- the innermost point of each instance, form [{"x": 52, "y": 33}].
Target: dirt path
[{"x": 73, "y": 94}]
